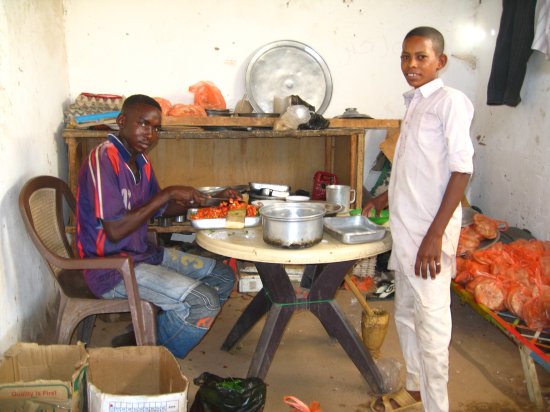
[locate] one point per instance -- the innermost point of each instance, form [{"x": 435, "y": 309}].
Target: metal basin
[{"x": 292, "y": 225}]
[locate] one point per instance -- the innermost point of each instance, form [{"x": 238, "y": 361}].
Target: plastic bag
[
  {"x": 207, "y": 95},
  {"x": 299, "y": 406},
  {"x": 316, "y": 122},
  {"x": 165, "y": 105},
  {"x": 182, "y": 110},
  {"x": 217, "y": 394},
  {"x": 292, "y": 118},
  {"x": 393, "y": 373}
]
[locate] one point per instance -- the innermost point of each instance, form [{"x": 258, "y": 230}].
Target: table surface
[{"x": 247, "y": 244}]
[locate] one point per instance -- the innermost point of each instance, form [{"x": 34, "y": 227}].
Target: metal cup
[{"x": 342, "y": 195}]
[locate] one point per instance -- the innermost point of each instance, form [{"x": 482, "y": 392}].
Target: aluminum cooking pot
[{"x": 292, "y": 225}]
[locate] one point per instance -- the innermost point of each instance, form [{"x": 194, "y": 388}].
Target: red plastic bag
[
  {"x": 208, "y": 96},
  {"x": 299, "y": 406},
  {"x": 165, "y": 105},
  {"x": 182, "y": 110}
]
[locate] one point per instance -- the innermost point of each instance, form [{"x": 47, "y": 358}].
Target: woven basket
[{"x": 365, "y": 267}]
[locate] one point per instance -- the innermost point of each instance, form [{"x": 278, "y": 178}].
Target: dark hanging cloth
[{"x": 512, "y": 50}]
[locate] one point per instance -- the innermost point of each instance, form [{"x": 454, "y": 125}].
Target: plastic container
[{"x": 379, "y": 220}]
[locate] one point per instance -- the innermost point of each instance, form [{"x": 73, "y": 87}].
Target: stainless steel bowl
[
  {"x": 292, "y": 225},
  {"x": 210, "y": 190}
]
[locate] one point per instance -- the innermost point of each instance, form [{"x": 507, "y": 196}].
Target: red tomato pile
[{"x": 221, "y": 210}]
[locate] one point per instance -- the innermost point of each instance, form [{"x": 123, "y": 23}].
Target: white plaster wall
[
  {"x": 512, "y": 162},
  {"x": 33, "y": 87},
  {"x": 162, "y": 48}
]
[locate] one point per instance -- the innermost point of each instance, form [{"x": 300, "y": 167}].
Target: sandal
[
  {"x": 385, "y": 290},
  {"x": 402, "y": 398}
]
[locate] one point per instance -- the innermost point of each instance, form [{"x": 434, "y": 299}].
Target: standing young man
[{"x": 430, "y": 171}]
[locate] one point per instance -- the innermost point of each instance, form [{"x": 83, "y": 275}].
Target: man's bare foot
[{"x": 393, "y": 400}]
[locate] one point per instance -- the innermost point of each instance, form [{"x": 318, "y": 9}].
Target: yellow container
[{"x": 373, "y": 329}]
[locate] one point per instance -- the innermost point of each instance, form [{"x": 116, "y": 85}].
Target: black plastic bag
[
  {"x": 295, "y": 99},
  {"x": 217, "y": 394},
  {"x": 316, "y": 122}
]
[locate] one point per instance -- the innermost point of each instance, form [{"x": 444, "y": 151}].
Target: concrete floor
[{"x": 485, "y": 371}]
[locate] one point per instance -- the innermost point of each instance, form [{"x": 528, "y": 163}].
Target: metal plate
[
  {"x": 210, "y": 190},
  {"x": 353, "y": 229},
  {"x": 287, "y": 67},
  {"x": 484, "y": 244},
  {"x": 219, "y": 223}
]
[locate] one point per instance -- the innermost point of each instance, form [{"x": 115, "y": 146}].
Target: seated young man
[{"x": 117, "y": 195}]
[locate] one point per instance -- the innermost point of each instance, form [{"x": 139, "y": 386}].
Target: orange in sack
[
  {"x": 165, "y": 105},
  {"x": 208, "y": 96},
  {"x": 517, "y": 275},
  {"x": 545, "y": 269},
  {"x": 182, "y": 110},
  {"x": 471, "y": 285},
  {"x": 495, "y": 255},
  {"x": 536, "y": 312},
  {"x": 299, "y": 406},
  {"x": 490, "y": 293},
  {"x": 463, "y": 277},
  {"x": 488, "y": 227},
  {"x": 516, "y": 298},
  {"x": 469, "y": 240}
]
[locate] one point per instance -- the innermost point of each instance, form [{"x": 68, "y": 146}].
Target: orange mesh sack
[
  {"x": 208, "y": 96},
  {"x": 182, "y": 110},
  {"x": 165, "y": 105}
]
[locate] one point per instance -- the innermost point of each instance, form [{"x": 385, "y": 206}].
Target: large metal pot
[{"x": 292, "y": 225}]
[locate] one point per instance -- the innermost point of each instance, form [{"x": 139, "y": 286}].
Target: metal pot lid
[
  {"x": 293, "y": 212},
  {"x": 352, "y": 113},
  {"x": 286, "y": 67}
]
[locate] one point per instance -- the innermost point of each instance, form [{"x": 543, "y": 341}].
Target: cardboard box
[
  {"x": 132, "y": 379},
  {"x": 45, "y": 378},
  {"x": 250, "y": 282}
]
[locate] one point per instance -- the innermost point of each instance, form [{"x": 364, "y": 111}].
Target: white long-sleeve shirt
[
  {"x": 434, "y": 142},
  {"x": 541, "y": 41}
]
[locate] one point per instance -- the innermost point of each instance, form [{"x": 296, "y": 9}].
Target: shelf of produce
[{"x": 533, "y": 345}]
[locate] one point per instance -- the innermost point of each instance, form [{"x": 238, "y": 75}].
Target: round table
[{"x": 326, "y": 265}]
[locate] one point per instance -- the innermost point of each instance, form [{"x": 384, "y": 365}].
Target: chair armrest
[
  {"x": 125, "y": 266},
  {"x": 112, "y": 262}
]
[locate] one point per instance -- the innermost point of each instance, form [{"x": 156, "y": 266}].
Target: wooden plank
[
  {"x": 359, "y": 170},
  {"x": 269, "y": 121},
  {"x": 221, "y": 121},
  {"x": 366, "y": 123},
  {"x": 225, "y": 162},
  {"x": 531, "y": 378},
  {"x": 183, "y": 133}
]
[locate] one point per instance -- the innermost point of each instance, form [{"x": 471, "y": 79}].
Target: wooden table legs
[{"x": 279, "y": 301}]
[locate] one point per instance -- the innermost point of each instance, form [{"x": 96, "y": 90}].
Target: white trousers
[{"x": 423, "y": 320}]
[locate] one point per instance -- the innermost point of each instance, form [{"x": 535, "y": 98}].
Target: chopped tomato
[{"x": 221, "y": 210}]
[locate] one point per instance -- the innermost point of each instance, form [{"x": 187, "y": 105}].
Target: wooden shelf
[{"x": 187, "y": 154}]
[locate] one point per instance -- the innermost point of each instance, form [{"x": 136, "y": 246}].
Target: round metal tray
[{"x": 284, "y": 68}]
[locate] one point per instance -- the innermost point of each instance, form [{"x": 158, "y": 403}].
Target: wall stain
[{"x": 481, "y": 140}]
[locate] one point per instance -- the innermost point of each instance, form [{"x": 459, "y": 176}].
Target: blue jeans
[{"x": 188, "y": 289}]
